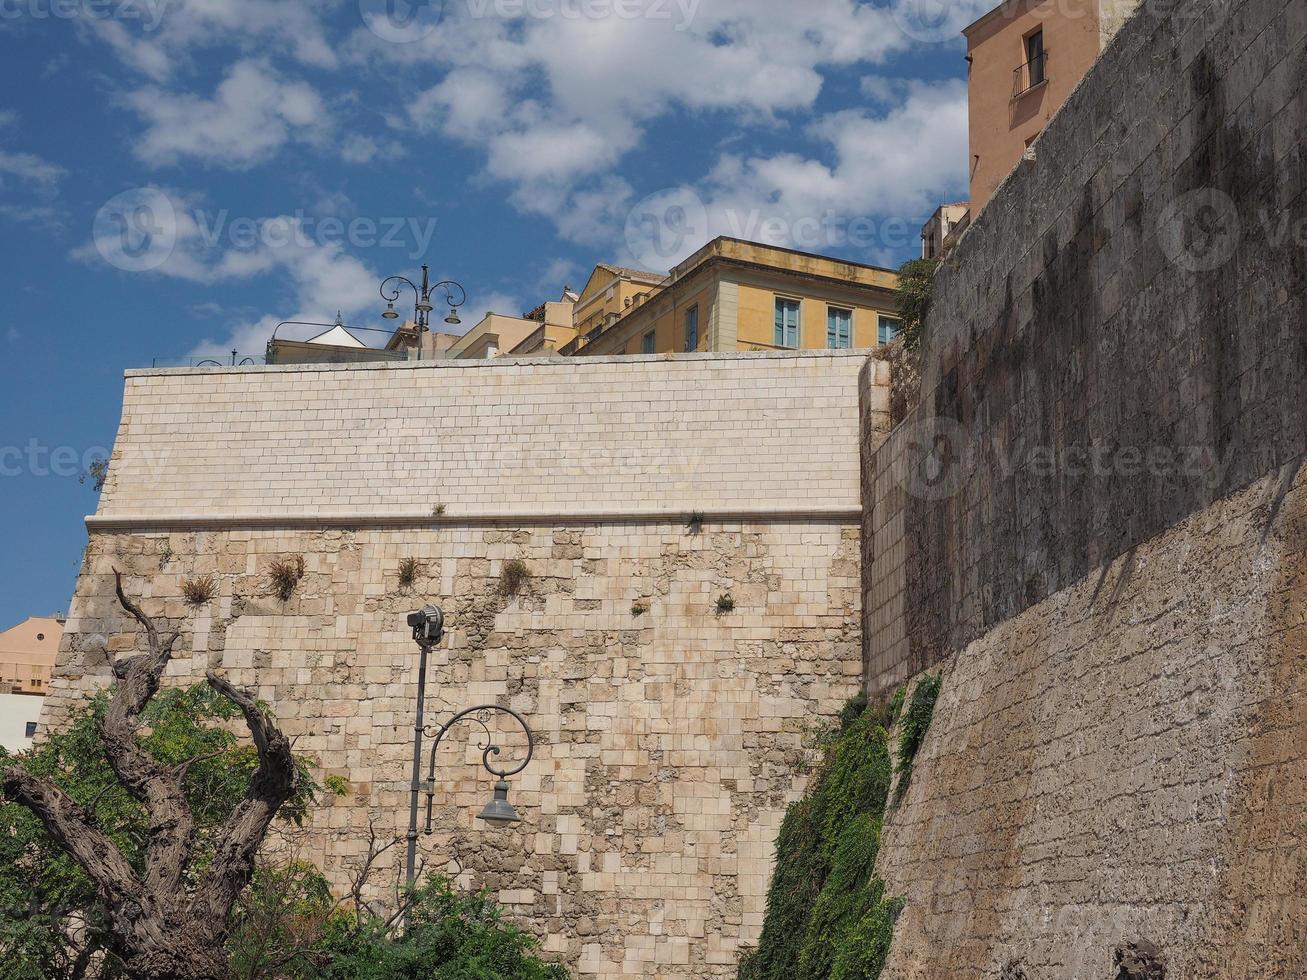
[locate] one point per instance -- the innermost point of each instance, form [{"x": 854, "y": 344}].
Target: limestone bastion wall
[
  {"x": 1094, "y": 524},
  {"x": 671, "y": 734}
]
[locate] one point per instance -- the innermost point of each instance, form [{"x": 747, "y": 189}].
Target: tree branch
[
  {"x": 68, "y": 824},
  {"x": 271, "y": 785},
  {"x": 171, "y": 825}
]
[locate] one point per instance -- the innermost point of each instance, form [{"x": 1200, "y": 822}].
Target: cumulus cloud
[
  {"x": 253, "y": 113},
  {"x": 556, "y": 99},
  {"x": 168, "y": 32},
  {"x": 885, "y": 172}
]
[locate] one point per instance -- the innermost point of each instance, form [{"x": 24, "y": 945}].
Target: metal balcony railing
[{"x": 1030, "y": 75}]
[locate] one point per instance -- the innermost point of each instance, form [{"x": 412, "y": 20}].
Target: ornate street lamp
[
  {"x": 428, "y": 627},
  {"x": 390, "y": 292}
]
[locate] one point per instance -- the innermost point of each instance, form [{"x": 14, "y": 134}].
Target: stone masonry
[
  {"x": 1116, "y": 343},
  {"x": 671, "y": 734},
  {"x": 1094, "y": 525}
]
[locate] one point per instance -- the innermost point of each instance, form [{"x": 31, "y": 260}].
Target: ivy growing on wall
[{"x": 828, "y": 917}]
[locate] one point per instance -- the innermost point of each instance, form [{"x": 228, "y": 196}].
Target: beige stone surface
[
  {"x": 669, "y": 742},
  {"x": 1123, "y": 761},
  {"x": 670, "y": 434},
  {"x": 670, "y": 739}
]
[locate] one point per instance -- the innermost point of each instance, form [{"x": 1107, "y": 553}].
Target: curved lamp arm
[
  {"x": 489, "y": 748},
  {"x": 392, "y": 296},
  {"x": 448, "y": 286}
]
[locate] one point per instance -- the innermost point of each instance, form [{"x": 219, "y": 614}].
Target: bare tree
[{"x": 169, "y": 920}]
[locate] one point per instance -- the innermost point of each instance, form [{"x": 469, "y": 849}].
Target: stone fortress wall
[
  {"x": 1094, "y": 524},
  {"x": 671, "y": 734}
]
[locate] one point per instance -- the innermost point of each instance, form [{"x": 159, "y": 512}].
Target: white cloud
[
  {"x": 29, "y": 167},
  {"x": 556, "y": 101},
  {"x": 169, "y": 31},
  {"x": 7, "y": 118},
  {"x": 253, "y": 113},
  {"x": 888, "y": 171},
  {"x": 365, "y": 149}
]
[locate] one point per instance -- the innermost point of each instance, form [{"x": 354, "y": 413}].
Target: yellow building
[
  {"x": 734, "y": 295},
  {"x": 542, "y": 331}
]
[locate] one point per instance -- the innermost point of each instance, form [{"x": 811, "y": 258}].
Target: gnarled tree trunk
[{"x": 165, "y": 926}]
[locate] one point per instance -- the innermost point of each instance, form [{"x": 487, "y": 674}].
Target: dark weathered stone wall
[{"x": 1119, "y": 340}]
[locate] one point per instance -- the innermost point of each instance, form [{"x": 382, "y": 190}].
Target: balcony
[{"x": 1030, "y": 76}]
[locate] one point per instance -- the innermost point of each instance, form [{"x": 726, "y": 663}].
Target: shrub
[
  {"x": 857, "y": 779},
  {"x": 912, "y": 732},
  {"x": 447, "y": 935},
  {"x": 513, "y": 577},
  {"x": 438, "y": 510},
  {"x": 795, "y": 885},
  {"x": 845, "y": 896},
  {"x": 862, "y": 954},
  {"x": 200, "y": 591},
  {"x": 409, "y": 570},
  {"x": 284, "y": 576},
  {"x": 639, "y": 607},
  {"x": 695, "y": 521},
  {"x": 916, "y": 283},
  {"x": 725, "y": 603}
]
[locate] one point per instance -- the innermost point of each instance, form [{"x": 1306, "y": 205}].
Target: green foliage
[
  {"x": 865, "y": 949},
  {"x": 822, "y": 892},
  {"x": 916, "y": 282},
  {"x": 448, "y": 936},
  {"x": 40, "y": 886},
  {"x": 725, "y": 603},
  {"x": 856, "y": 781},
  {"x": 795, "y": 885},
  {"x": 286, "y": 924},
  {"x": 279, "y": 925},
  {"x": 843, "y": 898},
  {"x": 912, "y": 731},
  {"x": 896, "y": 704}
]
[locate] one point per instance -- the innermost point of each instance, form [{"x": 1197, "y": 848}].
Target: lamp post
[
  {"x": 428, "y": 628},
  {"x": 390, "y": 292}
]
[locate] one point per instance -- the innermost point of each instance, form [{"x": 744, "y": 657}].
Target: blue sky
[{"x": 177, "y": 176}]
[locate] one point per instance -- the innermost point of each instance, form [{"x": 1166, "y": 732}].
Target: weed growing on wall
[
  {"x": 513, "y": 577},
  {"x": 827, "y": 916},
  {"x": 200, "y": 591},
  {"x": 284, "y": 576},
  {"x": 912, "y": 730}
]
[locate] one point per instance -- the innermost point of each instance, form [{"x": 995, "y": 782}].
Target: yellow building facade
[{"x": 734, "y": 295}]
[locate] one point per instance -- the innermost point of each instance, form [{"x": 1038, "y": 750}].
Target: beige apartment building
[
  {"x": 734, "y": 295},
  {"x": 1024, "y": 58},
  {"x": 27, "y": 655}
]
